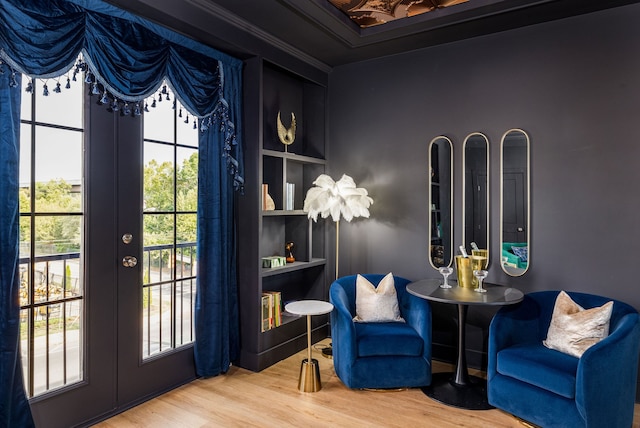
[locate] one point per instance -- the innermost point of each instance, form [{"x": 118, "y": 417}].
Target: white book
[{"x": 289, "y": 197}]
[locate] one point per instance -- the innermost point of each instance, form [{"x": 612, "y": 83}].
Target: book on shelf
[
  {"x": 290, "y": 193},
  {"x": 265, "y": 196},
  {"x": 271, "y": 310},
  {"x": 265, "y": 307}
]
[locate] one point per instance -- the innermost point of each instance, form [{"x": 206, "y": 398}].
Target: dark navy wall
[{"x": 573, "y": 85}]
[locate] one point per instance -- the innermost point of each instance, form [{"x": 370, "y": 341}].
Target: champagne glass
[
  {"x": 445, "y": 271},
  {"x": 481, "y": 275}
]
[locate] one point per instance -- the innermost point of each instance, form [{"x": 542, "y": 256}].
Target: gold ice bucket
[
  {"x": 464, "y": 271},
  {"x": 465, "y": 267}
]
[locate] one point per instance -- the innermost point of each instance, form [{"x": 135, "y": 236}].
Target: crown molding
[{"x": 245, "y": 26}]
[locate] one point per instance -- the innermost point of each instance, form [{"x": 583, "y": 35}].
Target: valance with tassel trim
[{"x": 126, "y": 60}]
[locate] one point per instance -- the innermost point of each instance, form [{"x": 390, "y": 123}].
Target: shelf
[
  {"x": 291, "y": 267},
  {"x": 276, "y": 213},
  {"x": 293, "y": 157},
  {"x": 286, "y": 319}
]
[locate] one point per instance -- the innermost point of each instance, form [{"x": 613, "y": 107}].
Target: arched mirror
[
  {"x": 475, "y": 194},
  {"x": 515, "y": 202},
  {"x": 441, "y": 200}
]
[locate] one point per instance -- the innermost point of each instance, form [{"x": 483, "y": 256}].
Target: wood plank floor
[{"x": 242, "y": 398}]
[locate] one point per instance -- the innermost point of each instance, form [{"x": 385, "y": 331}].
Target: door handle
[{"x": 129, "y": 261}]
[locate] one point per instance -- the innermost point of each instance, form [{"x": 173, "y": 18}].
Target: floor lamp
[{"x": 338, "y": 199}]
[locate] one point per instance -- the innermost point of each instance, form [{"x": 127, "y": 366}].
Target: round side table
[
  {"x": 459, "y": 389},
  {"x": 309, "y": 380}
]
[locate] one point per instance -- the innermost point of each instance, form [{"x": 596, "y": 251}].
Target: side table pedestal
[{"x": 309, "y": 380}]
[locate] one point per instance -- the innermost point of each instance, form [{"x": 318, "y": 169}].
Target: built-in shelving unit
[{"x": 263, "y": 233}]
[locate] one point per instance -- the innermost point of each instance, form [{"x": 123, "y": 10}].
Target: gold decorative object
[
  {"x": 287, "y": 135},
  {"x": 267, "y": 201},
  {"x": 289, "y": 255},
  {"x": 464, "y": 271},
  {"x": 483, "y": 254}
]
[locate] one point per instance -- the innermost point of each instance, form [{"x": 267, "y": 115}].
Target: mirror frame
[
  {"x": 464, "y": 192},
  {"x": 520, "y": 272},
  {"x": 430, "y": 223}
]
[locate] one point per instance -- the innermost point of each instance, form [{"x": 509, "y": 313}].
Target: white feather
[{"x": 336, "y": 199}]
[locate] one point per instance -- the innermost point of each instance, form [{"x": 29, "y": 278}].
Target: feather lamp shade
[{"x": 336, "y": 199}]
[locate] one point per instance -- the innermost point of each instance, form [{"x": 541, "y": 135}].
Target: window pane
[
  {"x": 25, "y": 168},
  {"x": 158, "y": 177},
  {"x": 186, "y": 225},
  {"x": 159, "y": 121},
  {"x": 25, "y": 101},
  {"x": 157, "y": 313},
  {"x": 187, "y": 134},
  {"x": 64, "y": 108},
  {"x": 58, "y": 234},
  {"x": 58, "y": 153},
  {"x": 187, "y": 179},
  {"x": 185, "y": 302},
  {"x": 186, "y": 256}
]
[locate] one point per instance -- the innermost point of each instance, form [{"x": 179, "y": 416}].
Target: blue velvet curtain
[
  {"x": 126, "y": 60},
  {"x": 14, "y": 408}
]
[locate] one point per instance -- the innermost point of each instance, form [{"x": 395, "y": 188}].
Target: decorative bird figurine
[{"x": 287, "y": 135}]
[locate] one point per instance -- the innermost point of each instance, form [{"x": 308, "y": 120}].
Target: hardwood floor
[{"x": 242, "y": 398}]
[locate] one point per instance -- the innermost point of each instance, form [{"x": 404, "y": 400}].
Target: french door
[{"x": 107, "y": 307}]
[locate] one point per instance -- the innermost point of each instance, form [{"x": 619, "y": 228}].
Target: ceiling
[{"x": 324, "y": 36}]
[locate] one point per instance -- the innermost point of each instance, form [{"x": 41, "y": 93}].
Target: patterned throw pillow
[
  {"x": 521, "y": 252},
  {"x": 377, "y": 304},
  {"x": 574, "y": 329}
]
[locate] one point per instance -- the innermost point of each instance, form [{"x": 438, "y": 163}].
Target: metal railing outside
[{"x": 52, "y": 311}]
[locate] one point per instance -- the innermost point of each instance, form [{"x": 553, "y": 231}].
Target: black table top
[{"x": 496, "y": 295}]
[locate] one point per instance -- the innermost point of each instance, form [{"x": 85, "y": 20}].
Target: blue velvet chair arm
[
  {"x": 343, "y": 331},
  {"x": 606, "y": 377},
  {"x": 417, "y": 313},
  {"x": 511, "y": 325}
]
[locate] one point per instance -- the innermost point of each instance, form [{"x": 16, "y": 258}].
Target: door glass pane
[
  {"x": 51, "y": 224},
  {"x": 58, "y": 169},
  {"x": 159, "y": 175},
  {"x": 169, "y": 221},
  {"x": 187, "y": 179}
]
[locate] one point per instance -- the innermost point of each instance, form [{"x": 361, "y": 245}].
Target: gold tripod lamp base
[{"x": 309, "y": 376}]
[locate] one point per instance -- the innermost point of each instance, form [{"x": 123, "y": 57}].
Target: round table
[
  {"x": 309, "y": 380},
  {"x": 458, "y": 388}
]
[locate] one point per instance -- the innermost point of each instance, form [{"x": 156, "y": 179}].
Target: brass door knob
[{"x": 129, "y": 261}]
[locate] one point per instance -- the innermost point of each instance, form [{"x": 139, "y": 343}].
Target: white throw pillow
[
  {"x": 377, "y": 304},
  {"x": 574, "y": 329}
]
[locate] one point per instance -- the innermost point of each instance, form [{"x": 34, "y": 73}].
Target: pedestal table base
[
  {"x": 471, "y": 396},
  {"x": 309, "y": 380}
]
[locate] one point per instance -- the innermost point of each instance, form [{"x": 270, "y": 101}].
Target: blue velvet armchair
[
  {"x": 553, "y": 389},
  {"x": 385, "y": 354}
]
